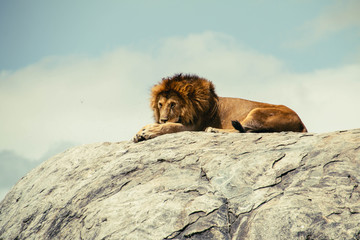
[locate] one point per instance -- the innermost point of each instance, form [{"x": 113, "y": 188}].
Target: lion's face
[
  {"x": 169, "y": 109},
  {"x": 185, "y": 99}
]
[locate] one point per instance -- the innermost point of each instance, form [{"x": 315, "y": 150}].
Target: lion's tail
[{"x": 237, "y": 125}]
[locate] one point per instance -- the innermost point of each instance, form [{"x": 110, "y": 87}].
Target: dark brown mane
[{"x": 197, "y": 94}]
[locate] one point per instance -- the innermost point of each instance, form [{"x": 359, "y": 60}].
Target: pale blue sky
[
  {"x": 31, "y": 30},
  {"x": 77, "y": 72}
]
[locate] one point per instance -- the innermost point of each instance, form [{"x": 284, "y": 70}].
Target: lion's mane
[{"x": 197, "y": 96}]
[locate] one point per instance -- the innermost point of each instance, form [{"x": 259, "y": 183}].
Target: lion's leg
[
  {"x": 271, "y": 120},
  {"x": 218, "y": 130},
  {"x": 154, "y": 130}
]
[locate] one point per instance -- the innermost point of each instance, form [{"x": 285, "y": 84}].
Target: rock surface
[{"x": 193, "y": 186}]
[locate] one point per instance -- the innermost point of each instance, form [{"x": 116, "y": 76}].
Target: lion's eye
[
  {"x": 160, "y": 105},
  {"x": 172, "y": 105}
]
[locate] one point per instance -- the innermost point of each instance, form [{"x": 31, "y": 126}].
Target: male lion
[{"x": 189, "y": 103}]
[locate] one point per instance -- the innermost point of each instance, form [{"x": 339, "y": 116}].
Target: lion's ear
[
  {"x": 156, "y": 114},
  {"x": 154, "y": 106}
]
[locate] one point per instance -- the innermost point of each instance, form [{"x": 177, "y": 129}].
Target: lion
[{"x": 189, "y": 103}]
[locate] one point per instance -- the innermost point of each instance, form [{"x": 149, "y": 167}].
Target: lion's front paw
[
  {"x": 147, "y": 132},
  {"x": 211, "y": 130},
  {"x": 138, "y": 137}
]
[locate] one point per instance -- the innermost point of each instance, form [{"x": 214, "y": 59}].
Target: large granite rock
[{"x": 193, "y": 186}]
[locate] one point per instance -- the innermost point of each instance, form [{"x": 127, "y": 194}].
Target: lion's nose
[{"x": 164, "y": 120}]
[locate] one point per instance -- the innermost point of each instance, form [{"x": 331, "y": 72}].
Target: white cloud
[
  {"x": 326, "y": 99},
  {"x": 217, "y": 55},
  {"x": 335, "y": 18},
  {"x": 82, "y": 100},
  {"x": 72, "y": 99}
]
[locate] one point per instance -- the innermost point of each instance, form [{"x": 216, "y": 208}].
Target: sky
[{"x": 78, "y": 72}]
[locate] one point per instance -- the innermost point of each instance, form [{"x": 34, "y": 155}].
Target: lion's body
[
  {"x": 257, "y": 116},
  {"x": 189, "y": 103}
]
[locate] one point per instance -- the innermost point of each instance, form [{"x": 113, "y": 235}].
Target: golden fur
[{"x": 189, "y": 103}]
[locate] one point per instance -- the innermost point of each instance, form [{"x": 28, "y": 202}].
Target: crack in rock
[
  {"x": 213, "y": 225},
  {"x": 204, "y": 176},
  {"x": 277, "y": 160}
]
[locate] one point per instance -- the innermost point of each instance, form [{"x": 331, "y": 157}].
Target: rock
[{"x": 193, "y": 185}]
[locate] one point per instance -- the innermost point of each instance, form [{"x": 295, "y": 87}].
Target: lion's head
[{"x": 185, "y": 99}]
